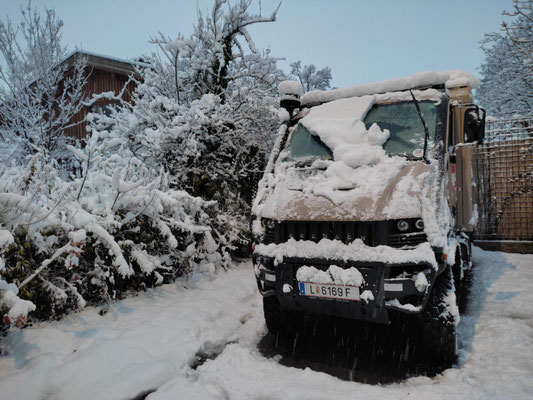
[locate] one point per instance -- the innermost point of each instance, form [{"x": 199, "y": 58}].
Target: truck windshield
[
  {"x": 404, "y": 124},
  {"x": 305, "y": 148}
]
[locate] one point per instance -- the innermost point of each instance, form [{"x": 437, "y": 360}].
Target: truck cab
[{"x": 365, "y": 209}]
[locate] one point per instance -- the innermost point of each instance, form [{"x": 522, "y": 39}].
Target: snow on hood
[
  {"x": 391, "y": 189},
  {"x": 451, "y": 79}
]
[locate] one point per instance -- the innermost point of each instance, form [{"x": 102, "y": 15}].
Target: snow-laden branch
[
  {"x": 110, "y": 96},
  {"x": 59, "y": 252}
]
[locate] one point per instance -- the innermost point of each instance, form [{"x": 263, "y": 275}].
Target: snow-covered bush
[
  {"x": 118, "y": 227},
  {"x": 206, "y": 114},
  {"x": 197, "y": 145},
  {"x": 164, "y": 185}
]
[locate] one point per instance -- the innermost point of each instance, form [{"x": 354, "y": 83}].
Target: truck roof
[{"x": 430, "y": 79}]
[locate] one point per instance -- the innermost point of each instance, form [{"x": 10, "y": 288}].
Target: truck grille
[
  {"x": 407, "y": 239},
  {"x": 314, "y": 231},
  {"x": 371, "y": 233}
]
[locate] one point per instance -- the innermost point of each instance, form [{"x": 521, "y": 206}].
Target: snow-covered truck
[{"x": 365, "y": 210}]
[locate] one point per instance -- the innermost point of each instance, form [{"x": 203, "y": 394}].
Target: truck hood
[{"x": 391, "y": 189}]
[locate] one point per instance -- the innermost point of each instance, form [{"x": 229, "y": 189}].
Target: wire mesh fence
[
  {"x": 504, "y": 181},
  {"x": 508, "y": 129}
]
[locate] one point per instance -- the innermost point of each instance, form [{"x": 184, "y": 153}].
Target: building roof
[{"x": 106, "y": 63}]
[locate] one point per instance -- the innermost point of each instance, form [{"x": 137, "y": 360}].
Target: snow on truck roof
[{"x": 450, "y": 79}]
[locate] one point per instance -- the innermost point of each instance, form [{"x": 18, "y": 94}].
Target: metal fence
[{"x": 503, "y": 166}]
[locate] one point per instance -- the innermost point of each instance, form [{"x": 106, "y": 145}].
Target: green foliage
[{"x": 95, "y": 278}]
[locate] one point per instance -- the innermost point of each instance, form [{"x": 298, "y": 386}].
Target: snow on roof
[
  {"x": 116, "y": 59},
  {"x": 130, "y": 63},
  {"x": 450, "y": 79}
]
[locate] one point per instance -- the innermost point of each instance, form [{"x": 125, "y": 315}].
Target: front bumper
[{"x": 390, "y": 292}]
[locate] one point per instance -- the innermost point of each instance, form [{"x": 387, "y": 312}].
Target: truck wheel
[
  {"x": 438, "y": 324},
  {"x": 464, "y": 292},
  {"x": 462, "y": 286},
  {"x": 273, "y": 314},
  {"x": 277, "y": 319}
]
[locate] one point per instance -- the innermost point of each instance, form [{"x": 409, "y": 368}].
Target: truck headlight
[
  {"x": 402, "y": 225},
  {"x": 270, "y": 224}
]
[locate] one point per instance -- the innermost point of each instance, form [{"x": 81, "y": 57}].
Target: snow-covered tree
[
  {"x": 507, "y": 83},
  {"x": 520, "y": 31},
  {"x": 65, "y": 244},
  {"x": 214, "y": 55},
  {"x": 310, "y": 77},
  {"x": 506, "y": 86},
  {"x": 205, "y": 113},
  {"x": 143, "y": 209},
  {"x": 38, "y": 95}
]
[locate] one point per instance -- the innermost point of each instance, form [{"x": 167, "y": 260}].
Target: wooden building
[{"x": 105, "y": 74}]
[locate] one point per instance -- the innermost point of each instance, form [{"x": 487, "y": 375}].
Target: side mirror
[{"x": 474, "y": 124}]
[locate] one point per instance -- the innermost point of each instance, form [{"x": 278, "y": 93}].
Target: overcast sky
[{"x": 362, "y": 41}]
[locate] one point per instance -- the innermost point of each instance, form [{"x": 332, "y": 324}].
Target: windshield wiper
[{"x": 426, "y": 130}]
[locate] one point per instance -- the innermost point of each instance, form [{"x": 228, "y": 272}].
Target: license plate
[{"x": 328, "y": 291}]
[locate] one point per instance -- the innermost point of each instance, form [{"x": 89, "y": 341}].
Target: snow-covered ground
[{"x": 148, "y": 344}]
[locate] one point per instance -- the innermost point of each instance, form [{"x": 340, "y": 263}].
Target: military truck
[{"x": 365, "y": 210}]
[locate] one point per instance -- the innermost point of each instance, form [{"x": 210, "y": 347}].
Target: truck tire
[
  {"x": 464, "y": 292},
  {"x": 462, "y": 285},
  {"x": 277, "y": 319},
  {"x": 273, "y": 314},
  {"x": 439, "y": 338}
]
